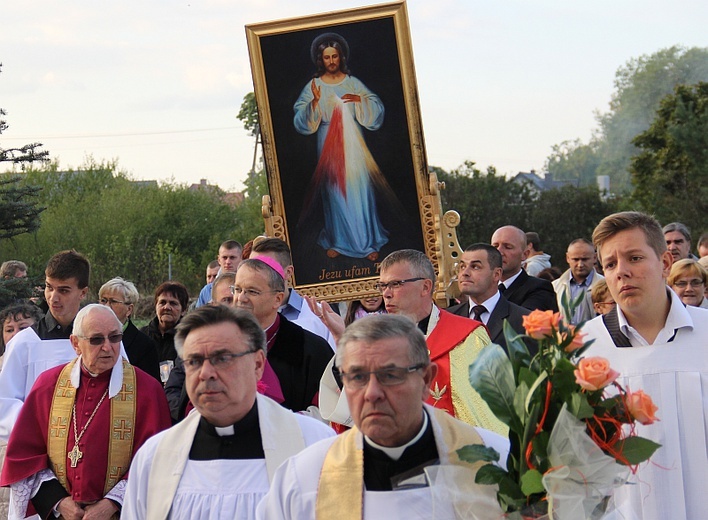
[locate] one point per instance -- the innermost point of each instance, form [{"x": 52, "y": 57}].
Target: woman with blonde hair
[{"x": 688, "y": 281}]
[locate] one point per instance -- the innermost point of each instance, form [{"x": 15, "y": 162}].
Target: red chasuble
[
  {"x": 27, "y": 447},
  {"x": 449, "y": 332}
]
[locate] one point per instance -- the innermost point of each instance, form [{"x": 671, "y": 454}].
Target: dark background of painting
[{"x": 373, "y": 59}]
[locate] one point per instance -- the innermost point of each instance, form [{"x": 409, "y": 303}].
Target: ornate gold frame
[{"x": 439, "y": 238}]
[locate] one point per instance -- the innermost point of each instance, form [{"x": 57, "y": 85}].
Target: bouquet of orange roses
[{"x": 571, "y": 425}]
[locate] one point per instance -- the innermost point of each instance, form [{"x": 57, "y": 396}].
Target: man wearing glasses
[
  {"x": 400, "y": 460},
  {"x": 406, "y": 283},
  {"x": 80, "y": 426},
  {"x": 296, "y": 358},
  {"x": 220, "y": 460}
]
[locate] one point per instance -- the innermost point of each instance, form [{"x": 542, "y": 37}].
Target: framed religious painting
[{"x": 343, "y": 145}]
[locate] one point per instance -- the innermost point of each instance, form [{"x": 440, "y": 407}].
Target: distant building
[
  {"x": 538, "y": 183},
  {"x": 233, "y": 199}
]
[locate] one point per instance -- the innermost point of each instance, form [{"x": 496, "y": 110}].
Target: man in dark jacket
[
  {"x": 478, "y": 275},
  {"x": 517, "y": 286}
]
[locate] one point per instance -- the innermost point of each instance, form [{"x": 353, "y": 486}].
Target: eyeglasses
[
  {"x": 390, "y": 376},
  {"x": 219, "y": 360},
  {"x": 111, "y": 301},
  {"x": 393, "y": 285},
  {"x": 97, "y": 341},
  {"x": 251, "y": 293},
  {"x": 682, "y": 284}
]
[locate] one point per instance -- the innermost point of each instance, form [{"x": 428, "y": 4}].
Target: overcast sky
[{"x": 157, "y": 84}]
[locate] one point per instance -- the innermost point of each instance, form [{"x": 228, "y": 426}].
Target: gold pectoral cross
[{"x": 75, "y": 455}]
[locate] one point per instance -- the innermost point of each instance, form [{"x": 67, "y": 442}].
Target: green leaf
[
  {"x": 529, "y": 431},
  {"x": 492, "y": 376},
  {"x": 490, "y": 474},
  {"x": 476, "y": 452},
  {"x": 527, "y": 376},
  {"x": 580, "y": 407},
  {"x": 531, "y": 482},
  {"x": 567, "y": 305},
  {"x": 518, "y": 352},
  {"x": 540, "y": 446},
  {"x": 520, "y": 401},
  {"x": 636, "y": 449},
  {"x": 530, "y": 397}
]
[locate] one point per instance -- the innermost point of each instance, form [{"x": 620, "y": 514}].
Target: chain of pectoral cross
[{"x": 75, "y": 454}]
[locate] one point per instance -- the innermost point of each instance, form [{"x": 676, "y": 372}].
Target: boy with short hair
[
  {"x": 67, "y": 279},
  {"x": 658, "y": 346}
]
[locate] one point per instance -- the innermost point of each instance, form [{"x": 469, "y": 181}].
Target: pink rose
[
  {"x": 594, "y": 373},
  {"x": 540, "y": 324},
  {"x": 641, "y": 407}
]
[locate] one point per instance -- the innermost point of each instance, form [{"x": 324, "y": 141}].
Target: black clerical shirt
[
  {"x": 380, "y": 469},
  {"x": 245, "y": 443}
]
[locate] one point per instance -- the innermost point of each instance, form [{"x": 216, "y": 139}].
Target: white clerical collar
[
  {"x": 115, "y": 383},
  {"x": 395, "y": 453},
  {"x": 224, "y": 431},
  {"x": 510, "y": 280}
]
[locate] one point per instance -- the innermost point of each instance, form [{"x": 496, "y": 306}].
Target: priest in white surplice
[
  {"x": 219, "y": 461},
  {"x": 399, "y": 460},
  {"x": 661, "y": 347}
]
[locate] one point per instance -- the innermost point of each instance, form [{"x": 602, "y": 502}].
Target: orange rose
[
  {"x": 539, "y": 324},
  {"x": 578, "y": 339},
  {"x": 594, "y": 373},
  {"x": 641, "y": 407}
]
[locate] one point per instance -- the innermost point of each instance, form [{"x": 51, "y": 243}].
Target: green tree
[
  {"x": 19, "y": 210},
  {"x": 248, "y": 114},
  {"x": 485, "y": 201},
  {"x": 574, "y": 161},
  {"x": 19, "y": 207},
  {"x": 249, "y": 216},
  {"x": 670, "y": 173},
  {"x": 563, "y": 214},
  {"x": 125, "y": 228},
  {"x": 639, "y": 87}
]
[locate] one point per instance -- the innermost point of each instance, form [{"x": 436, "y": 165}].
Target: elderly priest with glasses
[
  {"x": 400, "y": 460},
  {"x": 81, "y": 423},
  {"x": 219, "y": 461}
]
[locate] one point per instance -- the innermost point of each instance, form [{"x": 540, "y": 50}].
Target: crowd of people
[{"x": 254, "y": 401}]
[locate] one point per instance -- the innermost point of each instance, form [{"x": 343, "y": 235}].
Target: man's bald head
[{"x": 511, "y": 243}]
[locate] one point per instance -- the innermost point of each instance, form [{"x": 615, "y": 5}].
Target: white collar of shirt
[
  {"x": 433, "y": 321},
  {"x": 511, "y": 279},
  {"x": 115, "y": 384},
  {"x": 396, "y": 452},
  {"x": 488, "y": 304},
  {"x": 678, "y": 318},
  {"x": 292, "y": 308}
]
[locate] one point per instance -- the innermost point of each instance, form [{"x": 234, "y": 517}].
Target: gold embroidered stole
[
  {"x": 122, "y": 425},
  {"x": 340, "y": 492}
]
